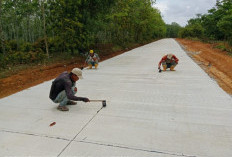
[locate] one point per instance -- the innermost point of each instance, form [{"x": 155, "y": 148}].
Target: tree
[
  {"x": 1, "y": 34},
  {"x": 44, "y": 28},
  {"x": 215, "y": 25},
  {"x": 65, "y": 18},
  {"x": 225, "y": 25},
  {"x": 173, "y": 30}
]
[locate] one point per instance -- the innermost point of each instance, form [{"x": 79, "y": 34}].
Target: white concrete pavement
[{"x": 182, "y": 113}]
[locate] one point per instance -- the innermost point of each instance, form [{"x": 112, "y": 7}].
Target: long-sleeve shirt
[
  {"x": 63, "y": 82},
  {"x": 165, "y": 59}
]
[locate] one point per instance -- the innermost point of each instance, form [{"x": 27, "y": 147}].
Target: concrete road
[{"x": 169, "y": 114}]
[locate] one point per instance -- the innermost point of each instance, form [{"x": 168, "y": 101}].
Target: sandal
[{"x": 62, "y": 108}]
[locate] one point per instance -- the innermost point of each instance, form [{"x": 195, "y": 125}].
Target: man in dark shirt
[{"x": 63, "y": 89}]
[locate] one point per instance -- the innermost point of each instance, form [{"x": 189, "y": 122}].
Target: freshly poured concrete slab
[
  {"x": 18, "y": 144},
  {"x": 105, "y": 150},
  {"x": 181, "y": 113}
]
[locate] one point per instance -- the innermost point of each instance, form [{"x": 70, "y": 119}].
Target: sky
[{"x": 180, "y": 11}]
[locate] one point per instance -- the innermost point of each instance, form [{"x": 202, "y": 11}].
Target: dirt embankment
[{"x": 217, "y": 63}]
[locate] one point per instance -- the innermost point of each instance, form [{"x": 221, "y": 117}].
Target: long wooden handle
[{"x": 96, "y": 100}]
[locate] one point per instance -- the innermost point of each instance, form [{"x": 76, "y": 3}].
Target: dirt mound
[{"x": 215, "y": 62}]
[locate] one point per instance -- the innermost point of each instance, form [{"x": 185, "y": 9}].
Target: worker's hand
[
  {"x": 75, "y": 89},
  {"x": 85, "y": 100},
  {"x": 159, "y": 67}
]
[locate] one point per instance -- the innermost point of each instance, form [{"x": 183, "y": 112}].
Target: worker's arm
[
  {"x": 176, "y": 59},
  {"x": 163, "y": 59},
  {"x": 98, "y": 58},
  {"x": 71, "y": 96}
]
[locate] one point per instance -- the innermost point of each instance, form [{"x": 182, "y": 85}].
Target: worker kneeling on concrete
[
  {"x": 168, "y": 61},
  {"x": 63, "y": 89},
  {"x": 92, "y": 59}
]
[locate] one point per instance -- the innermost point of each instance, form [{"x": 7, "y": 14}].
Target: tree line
[
  {"x": 32, "y": 30},
  {"x": 215, "y": 25}
]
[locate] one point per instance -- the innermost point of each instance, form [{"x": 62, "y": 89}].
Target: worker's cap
[
  {"x": 169, "y": 56},
  {"x": 91, "y": 51},
  {"x": 77, "y": 72}
]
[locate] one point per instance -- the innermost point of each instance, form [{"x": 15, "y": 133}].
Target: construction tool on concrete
[{"x": 103, "y": 102}]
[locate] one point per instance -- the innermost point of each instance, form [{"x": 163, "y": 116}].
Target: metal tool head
[{"x": 104, "y": 103}]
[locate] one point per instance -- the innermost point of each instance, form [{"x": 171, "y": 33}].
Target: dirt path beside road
[{"x": 217, "y": 63}]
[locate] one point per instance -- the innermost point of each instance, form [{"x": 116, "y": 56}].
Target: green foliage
[
  {"x": 20, "y": 57},
  {"x": 216, "y": 25},
  {"x": 74, "y": 26},
  {"x": 134, "y": 21},
  {"x": 225, "y": 25},
  {"x": 221, "y": 47},
  {"x": 13, "y": 45},
  {"x": 224, "y": 46},
  {"x": 3, "y": 61},
  {"x": 195, "y": 31},
  {"x": 26, "y": 47},
  {"x": 173, "y": 30}
]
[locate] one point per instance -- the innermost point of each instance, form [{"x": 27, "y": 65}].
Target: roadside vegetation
[
  {"x": 214, "y": 27},
  {"x": 40, "y": 31}
]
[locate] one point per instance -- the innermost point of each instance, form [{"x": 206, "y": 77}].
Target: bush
[
  {"x": 19, "y": 58},
  {"x": 39, "y": 44},
  {"x": 3, "y": 60},
  {"x": 221, "y": 47},
  {"x": 54, "y": 45},
  {"x": 26, "y": 47}
]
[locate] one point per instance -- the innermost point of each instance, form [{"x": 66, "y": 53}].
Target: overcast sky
[{"x": 180, "y": 11}]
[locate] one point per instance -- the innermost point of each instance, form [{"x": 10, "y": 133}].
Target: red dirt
[{"x": 215, "y": 62}]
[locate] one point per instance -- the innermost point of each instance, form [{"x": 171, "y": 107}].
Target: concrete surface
[{"x": 169, "y": 114}]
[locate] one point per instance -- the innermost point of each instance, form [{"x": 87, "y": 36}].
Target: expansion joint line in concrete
[
  {"x": 136, "y": 149},
  {"x": 80, "y": 131},
  {"x": 32, "y": 134}
]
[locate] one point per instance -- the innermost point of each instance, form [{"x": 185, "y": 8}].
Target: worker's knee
[
  {"x": 164, "y": 67},
  {"x": 90, "y": 66},
  {"x": 172, "y": 67},
  {"x": 96, "y": 65}
]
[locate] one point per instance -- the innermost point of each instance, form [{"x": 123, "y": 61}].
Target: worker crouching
[
  {"x": 63, "y": 89},
  {"x": 168, "y": 61},
  {"x": 92, "y": 59}
]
